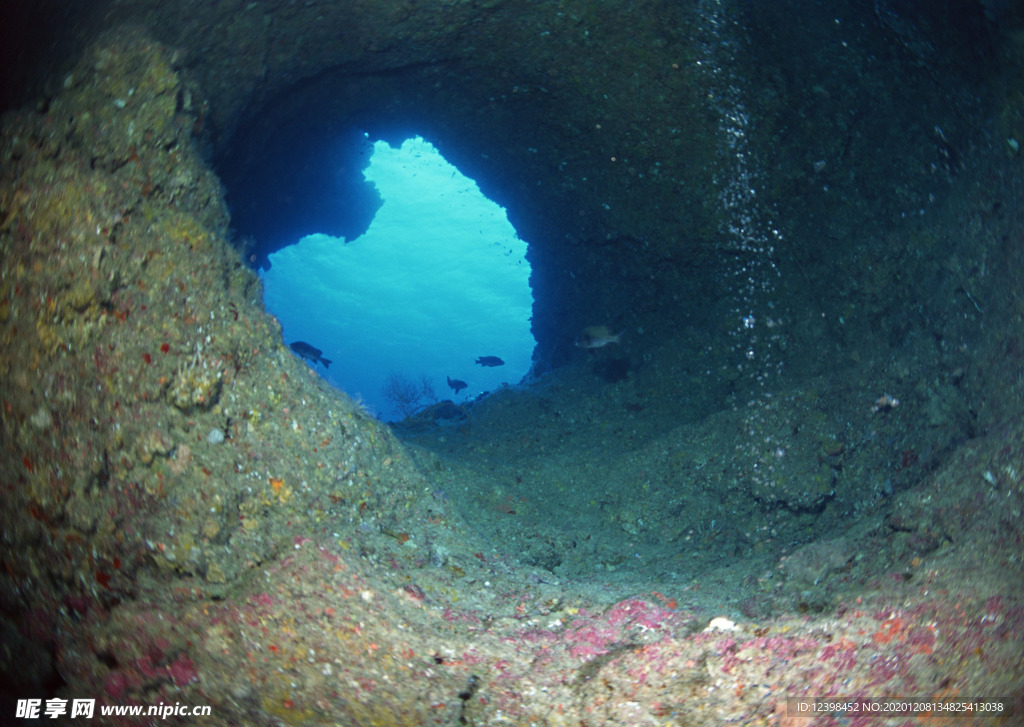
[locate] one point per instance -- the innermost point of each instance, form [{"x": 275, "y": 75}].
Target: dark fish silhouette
[
  {"x": 490, "y": 361},
  {"x": 311, "y": 353},
  {"x": 456, "y": 384}
]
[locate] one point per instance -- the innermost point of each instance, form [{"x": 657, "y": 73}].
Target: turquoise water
[{"x": 439, "y": 279}]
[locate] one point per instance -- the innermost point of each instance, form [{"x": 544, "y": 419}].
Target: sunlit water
[{"x": 439, "y": 279}]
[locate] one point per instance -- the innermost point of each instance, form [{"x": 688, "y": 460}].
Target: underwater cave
[{"x": 759, "y": 440}]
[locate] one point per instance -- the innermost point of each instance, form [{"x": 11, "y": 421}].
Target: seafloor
[{"x": 800, "y": 474}]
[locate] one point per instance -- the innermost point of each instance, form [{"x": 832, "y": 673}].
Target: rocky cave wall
[
  {"x": 556, "y": 112},
  {"x": 597, "y": 125}
]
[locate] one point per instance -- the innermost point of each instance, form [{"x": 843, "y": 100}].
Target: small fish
[
  {"x": 597, "y": 337},
  {"x": 885, "y": 403},
  {"x": 312, "y": 353},
  {"x": 489, "y": 361},
  {"x": 456, "y": 384}
]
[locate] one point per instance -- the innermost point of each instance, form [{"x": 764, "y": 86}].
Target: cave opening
[{"x": 431, "y": 303}]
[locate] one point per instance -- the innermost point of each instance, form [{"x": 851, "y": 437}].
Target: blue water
[{"x": 438, "y": 279}]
